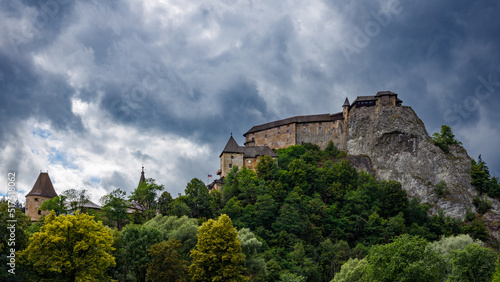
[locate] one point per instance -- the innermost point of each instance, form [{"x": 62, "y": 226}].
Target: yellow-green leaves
[
  {"x": 70, "y": 247},
  {"x": 218, "y": 255}
]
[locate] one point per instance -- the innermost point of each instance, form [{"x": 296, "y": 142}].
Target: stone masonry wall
[{"x": 33, "y": 203}]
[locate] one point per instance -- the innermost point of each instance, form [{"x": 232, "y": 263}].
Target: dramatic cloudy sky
[{"x": 91, "y": 90}]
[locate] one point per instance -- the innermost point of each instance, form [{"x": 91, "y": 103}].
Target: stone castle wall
[
  {"x": 320, "y": 133},
  {"x": 229, "y": 160},
  {"x": 275, "y": 138},
  {"x": 33, "y": 203}
]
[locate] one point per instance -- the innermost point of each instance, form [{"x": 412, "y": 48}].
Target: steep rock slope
[{"x": 395, "y": 140}]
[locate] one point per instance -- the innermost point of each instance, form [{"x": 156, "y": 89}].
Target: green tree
[
  {"x": 70, "y": 248},
  {"x": 406, "y": 259},
  {"x": 136, "y": 240},
  {"x": 254, "y": 262},
  {"x": 445, "y": 138},
  {"x": 353, "y": 270},
  {"x": 267, "y": 168},
  {"x": 164, "y": 203},
  {"x": 166, "y": 264},
  {"x": 76, "y": 199},
  {"x": 56, "y": 204},
  {"x": 183, "y": 229},
  {"x": 198, "y": 198},
  {"x": 18, "y": 242},
  {"x": 218, "y": 255},
  {"x": 473, "y": 263},
  {"x": 114, "y": 208},
  {"x": 146, "y": 194}
]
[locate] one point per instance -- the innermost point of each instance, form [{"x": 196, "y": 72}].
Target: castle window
[
  {"x": 320, "y": 128},
  {"x": 278, "y": 132},
  {"x": 287, "y": 140},
  {"x": 36, "y": 199},
  {"x": 304, "y": 129},
  {"x": 232, "y": 157},
  {"x": 288, "y": 131},
  {"x": 230, "y": 165},
  {"x": 333, "y": 128},
  {"x": 249, "y": 161},
  {"x": 39, "y": 212},
  {"x": 266, "y": 136},
  {"x": 253, "y": 139}
]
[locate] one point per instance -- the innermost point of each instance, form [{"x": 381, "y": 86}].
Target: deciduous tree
[
  {"x": 70, "y": 248},
  {"x": 218, "y": 255}
]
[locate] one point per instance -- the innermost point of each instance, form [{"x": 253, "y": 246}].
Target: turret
[
  {"x": 41, "y": 191},
  {"x": 345, "y": 108}
]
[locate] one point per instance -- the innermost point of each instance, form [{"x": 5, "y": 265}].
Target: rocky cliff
[{"x": 399, "y": 147}]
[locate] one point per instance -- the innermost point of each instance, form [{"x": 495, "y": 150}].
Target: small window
[
  {"x": 249, "y": 161},
  {"x": 39, "y": 212},
  {"x": 36, "y": 199},
  {"x": 266, "y": 136},
  {"x": 265, "y": 144},
  {"x": 288, "y": 131},
  {"x": 232, "y": 157},
  {"x": 253, "y": 139},
  {"x": 287, "y": 140},
  {"x": 304, "y": 130},
  {"x": 320, "y": 128},
  {"x": 230, "y": 165},
  {"x": 278, "y": 132},
  {"x": 333, "y": 128}
]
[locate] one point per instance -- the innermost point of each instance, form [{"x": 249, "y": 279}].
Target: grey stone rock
[{"x": 399, "y": 147}]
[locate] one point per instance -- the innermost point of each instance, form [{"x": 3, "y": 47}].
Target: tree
[
  {"x": 166, "y": 264},
  {"x": 56, "y": 204},
  {"x": 353, "y": 270},
  {"x": 473, "y": 263},
  {"x": 254, "y": 263},
  {"x": 218, "y": 255},
  {"x": 70, "y": 248},
  {"x": 114, "y": 208},
  {"x": 76, "y": 199},
  {"x": 146, "y": 194},
  {"x": 164, "y": 203},
  {"x": 445, "y": 138},
  {"x": 18, "y": 242},
  {"x": 198, "y": 198},
  {"x": 183, "y": 229},
  {"x": 136, "y": 240},
  {"x": 406, "y": 259}
]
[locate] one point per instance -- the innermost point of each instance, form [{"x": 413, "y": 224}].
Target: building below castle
[{"x": 316, "y": 129}]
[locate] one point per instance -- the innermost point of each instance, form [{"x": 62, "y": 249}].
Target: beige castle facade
[
  {"x": 43, "y": 190},
  {"x": 315, "y": 129}
]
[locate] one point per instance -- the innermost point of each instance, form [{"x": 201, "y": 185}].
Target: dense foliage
[
  {"x": 70, "y": 248},
  {"x": 445, "y": 138},
  {"x": 307, "y": 216}
]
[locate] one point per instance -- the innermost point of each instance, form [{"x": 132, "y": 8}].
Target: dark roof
[
  {"x": 364, "y": 98},
  {"x": 43, "y": 187},
  {"x": 296, "y": 119},
  {"x": 346, "y": 103},
  {"x": 248, "y": 152},
  {"x": 255, "y": 151},
  {"x": 383, "y": 93},
  {"x": 232, "y": 146},
  {"x": 89, "y": 204}
]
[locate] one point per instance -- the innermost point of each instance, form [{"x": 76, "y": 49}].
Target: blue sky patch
[{"x": 58, "y": 157}]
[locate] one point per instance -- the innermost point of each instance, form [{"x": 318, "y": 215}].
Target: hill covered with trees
[{"x": 310, "y": 216}]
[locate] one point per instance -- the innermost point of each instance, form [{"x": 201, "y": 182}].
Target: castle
[{"x": 315, "y": 129}]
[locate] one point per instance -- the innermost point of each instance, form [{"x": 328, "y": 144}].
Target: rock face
[{"x": 400, "y": 149}]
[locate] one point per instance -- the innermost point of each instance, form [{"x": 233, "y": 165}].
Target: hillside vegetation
[{"x": 309, "y": 216}]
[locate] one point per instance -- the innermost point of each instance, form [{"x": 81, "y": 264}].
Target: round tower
[{"x": 41, "y": 191}]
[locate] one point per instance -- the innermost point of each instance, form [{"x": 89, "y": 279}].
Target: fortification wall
[
  {"x": 275, "y": 138},
  {"x": 320, "y": 133},
  {"x": 33, "y": 203},
  {"x": 251, "y": 163}
]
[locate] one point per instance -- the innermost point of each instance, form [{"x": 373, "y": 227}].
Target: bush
[{"x": 445, "y": 138}]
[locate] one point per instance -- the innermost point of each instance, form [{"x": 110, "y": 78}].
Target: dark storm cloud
[{"x": 202, "y": 71}]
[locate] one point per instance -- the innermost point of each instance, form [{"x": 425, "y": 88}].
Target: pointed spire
[
  {"x": 43, "y": 187},
  {"x": 346, "y": 103},
  {"x": 143, "y": 178},
  {"x": 231, "y": 146}
]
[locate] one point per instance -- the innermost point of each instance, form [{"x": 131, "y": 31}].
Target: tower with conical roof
[{"x": 42, "y": 190}]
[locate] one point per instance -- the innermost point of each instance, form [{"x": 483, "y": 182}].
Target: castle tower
[
  {"x": 345, "y": 108},
  {"x": 41, "y": 191},
  {"x": 231, "y": 156}
]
